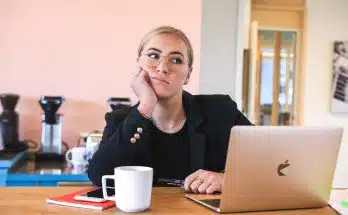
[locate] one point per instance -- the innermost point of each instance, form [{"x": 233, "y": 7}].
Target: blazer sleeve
[
  {"x": 115, "y": 148},
  {"x": 240, "y": 119}
]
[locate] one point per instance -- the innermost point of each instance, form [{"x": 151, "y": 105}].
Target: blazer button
[
  {"x": 140, "y": 130},
  {"x": 137, "y": 136},
  {"x": 133, "y": 140}
]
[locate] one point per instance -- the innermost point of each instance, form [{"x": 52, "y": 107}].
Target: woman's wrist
[
  {"x": 145, "y": 111},
  {"x": 145, "y": 116}
]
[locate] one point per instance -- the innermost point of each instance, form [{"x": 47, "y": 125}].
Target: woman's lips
[{"x": 160, "y": 80}]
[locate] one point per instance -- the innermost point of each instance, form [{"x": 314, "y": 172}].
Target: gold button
[
  {"x": 140, "y": 130},
  {"x": 133, "y": 140},
  {"x": 136, "y": 136}
]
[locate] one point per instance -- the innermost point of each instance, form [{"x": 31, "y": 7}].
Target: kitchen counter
[
  {"x": 8, "y": 159},
  {"x": 25, "y": 171}
]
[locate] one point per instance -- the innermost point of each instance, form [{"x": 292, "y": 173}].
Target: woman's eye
[
  {"x": 153, "y": 56},
  {"x": 177, "y": 60}
]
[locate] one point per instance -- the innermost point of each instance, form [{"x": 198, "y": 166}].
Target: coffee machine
[
  {"x": 9, "y": 141},
  {"x": 2, "y": 146},
  {"x": 51, "y": 129},
  {"x": 116, "y": 103}
]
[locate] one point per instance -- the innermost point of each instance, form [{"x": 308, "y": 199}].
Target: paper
[
  {"x": 344, "y": 204},
  {"x": 339, "y": 207}
]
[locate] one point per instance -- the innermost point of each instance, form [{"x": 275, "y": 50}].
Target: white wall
[
  {"x": 222, "y": 41},
  {"x": 327, "y": 22}
]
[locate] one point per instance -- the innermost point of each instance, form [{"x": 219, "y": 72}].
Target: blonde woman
[{"x": 182, "y": 136}]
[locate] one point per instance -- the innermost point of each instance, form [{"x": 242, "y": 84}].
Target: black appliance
[
  {"x": 51, "y": 129},
  {"x": 9, "y": 124},
  {"x": 116, "y": 103}
]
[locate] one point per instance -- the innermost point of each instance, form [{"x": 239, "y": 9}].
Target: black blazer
[{"x": 209, "y": 119}]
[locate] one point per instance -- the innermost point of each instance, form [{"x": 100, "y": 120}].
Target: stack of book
[{"x": 68, "y": 200}]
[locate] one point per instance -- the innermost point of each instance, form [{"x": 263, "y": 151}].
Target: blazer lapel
[{"x": 197, "y": 140}]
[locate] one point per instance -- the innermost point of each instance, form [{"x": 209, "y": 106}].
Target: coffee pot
[{"x": 51, "y": 129}]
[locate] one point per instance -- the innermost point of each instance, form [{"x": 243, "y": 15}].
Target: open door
[{"x": 271, "y": 76}]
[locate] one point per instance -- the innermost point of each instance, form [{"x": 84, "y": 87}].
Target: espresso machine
[
  {"x": 2, "y": 146},
  {"x": 116, "y": 103},
  {"x": 9, "y": 141},
  {"x": 51, "y": 129}
]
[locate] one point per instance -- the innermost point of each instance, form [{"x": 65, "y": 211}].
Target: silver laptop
[{"x": 274, "y": 168}]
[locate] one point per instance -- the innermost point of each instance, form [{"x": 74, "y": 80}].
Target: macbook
[{"x": 276, "y": 167}]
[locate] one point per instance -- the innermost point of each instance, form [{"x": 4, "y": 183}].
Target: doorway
[{"x": 276, "y": 62}]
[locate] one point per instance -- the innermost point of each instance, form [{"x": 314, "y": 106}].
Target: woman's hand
[
  {"x": 142, "y": 89},
  {"x": 203, "y": 181}
]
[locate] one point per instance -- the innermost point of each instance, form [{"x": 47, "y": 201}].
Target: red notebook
[{"x": 68, "y": 200}]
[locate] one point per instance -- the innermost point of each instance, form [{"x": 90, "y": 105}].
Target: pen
[{"x": 172, "y": 182}]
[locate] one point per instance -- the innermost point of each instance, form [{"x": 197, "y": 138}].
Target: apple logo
[{"x": 282, "y": 171}]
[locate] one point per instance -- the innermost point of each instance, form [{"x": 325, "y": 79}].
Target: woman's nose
[{"x": 163, "y": 66}]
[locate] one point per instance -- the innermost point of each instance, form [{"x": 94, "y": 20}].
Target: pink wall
[{"x": 82, "y": 49}]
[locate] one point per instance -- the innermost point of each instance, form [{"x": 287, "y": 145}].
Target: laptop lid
[{"x": 278, "y": 167}]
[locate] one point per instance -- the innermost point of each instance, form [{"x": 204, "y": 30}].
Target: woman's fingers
[
  {"x": 190, "y": 179},
  {"x": 203, "y": 181},
  {"x": 213, "y": 188},
  {"x": 196, "y": 184},
  {"x": 135, "y": 76},
  {"x": 143, "y": 90},
  {"x": 203, "y": 188},
  {"x": 138, "y": 71}
]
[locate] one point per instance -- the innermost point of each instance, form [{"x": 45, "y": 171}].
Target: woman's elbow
[{"x": 94, "y": 175}]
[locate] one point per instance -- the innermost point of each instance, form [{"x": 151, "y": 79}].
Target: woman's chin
[{"x": 162, "y": 93}]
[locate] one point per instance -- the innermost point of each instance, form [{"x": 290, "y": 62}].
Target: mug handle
[
  {"x": 105, "y": 194},
  {"x": 65, "y": 145},
  {"x": 67, "y": 156}
]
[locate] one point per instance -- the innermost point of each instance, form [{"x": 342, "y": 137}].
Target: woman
[{"x": 180, "y": 135}]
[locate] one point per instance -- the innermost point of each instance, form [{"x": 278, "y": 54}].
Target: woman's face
[{"x": 165, "y": 60}]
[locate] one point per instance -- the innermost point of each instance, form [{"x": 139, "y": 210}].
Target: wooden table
[{"x": 31, "y": 200}]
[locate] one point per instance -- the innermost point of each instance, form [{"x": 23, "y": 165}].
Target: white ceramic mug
[
  {"x": 133, "y": 187},
  {"x": 79, "y": 169},
  {"x": 76, "y": 156}
]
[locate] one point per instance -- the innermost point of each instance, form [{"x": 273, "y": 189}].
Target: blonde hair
[{"x": 168, "y": 30}]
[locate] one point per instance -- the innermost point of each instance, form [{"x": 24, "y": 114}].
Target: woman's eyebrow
[
  {"x": 176, "y": 52},
  {"x": 158, "y": 50},
  {"x": 155, "y": 49}
]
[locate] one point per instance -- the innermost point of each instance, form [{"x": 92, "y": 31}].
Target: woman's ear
[{"x": 188, "y": 77}]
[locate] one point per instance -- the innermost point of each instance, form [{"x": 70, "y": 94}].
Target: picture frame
[{"x": 339, "y": 101}]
